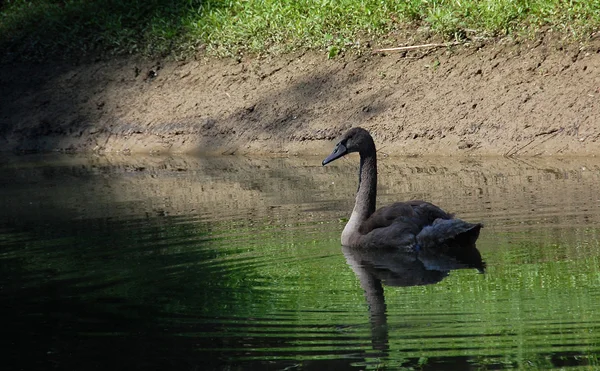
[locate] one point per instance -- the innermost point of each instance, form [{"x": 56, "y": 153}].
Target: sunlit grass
[{"x": 181, "y": 28}]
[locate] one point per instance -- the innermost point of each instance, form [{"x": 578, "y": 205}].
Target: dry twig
[{"x": 413, "y": 47}]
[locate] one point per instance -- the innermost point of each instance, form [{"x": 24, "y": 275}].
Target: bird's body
[{"x": 412, "y": 226}]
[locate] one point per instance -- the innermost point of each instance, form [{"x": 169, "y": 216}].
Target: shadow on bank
[{"x": 74, "y": 99}]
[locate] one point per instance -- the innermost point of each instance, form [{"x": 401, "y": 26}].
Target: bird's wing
[{"x": 417, "y": 214}]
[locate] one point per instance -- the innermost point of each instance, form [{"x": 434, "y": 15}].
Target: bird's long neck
[{"x": 366, "y": 196}]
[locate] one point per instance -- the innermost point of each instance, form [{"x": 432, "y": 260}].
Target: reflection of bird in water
[
  {"x": 412, "y": 226},
  {"x": 375, "y": 267},
  {"x": 401, "y": 268}
]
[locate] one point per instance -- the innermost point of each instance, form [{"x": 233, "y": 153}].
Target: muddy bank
[{"x": 528, "y": 99}]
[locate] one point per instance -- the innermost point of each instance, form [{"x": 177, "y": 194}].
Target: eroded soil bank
[{"x": 512, "y": 99}]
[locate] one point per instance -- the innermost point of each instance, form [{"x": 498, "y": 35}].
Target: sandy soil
[{"x": 511, "y": 99}]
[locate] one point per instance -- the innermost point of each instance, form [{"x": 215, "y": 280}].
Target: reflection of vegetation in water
[
  {"x": 536, "y": 302},
  {"x": 522, "y": 314}
]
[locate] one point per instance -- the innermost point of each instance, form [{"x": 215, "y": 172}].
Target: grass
[{"x": 79, "y": 28}]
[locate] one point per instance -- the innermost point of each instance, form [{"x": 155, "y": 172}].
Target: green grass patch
[{"x": 66, "y": 28}]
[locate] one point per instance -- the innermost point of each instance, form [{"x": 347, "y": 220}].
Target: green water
[{"x": 234, "y": 263}]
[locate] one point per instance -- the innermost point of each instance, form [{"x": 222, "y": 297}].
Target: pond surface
[{"x": 234, "y": 263}]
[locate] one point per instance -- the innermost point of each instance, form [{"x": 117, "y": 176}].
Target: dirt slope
[{"x": 537, "y": 98}]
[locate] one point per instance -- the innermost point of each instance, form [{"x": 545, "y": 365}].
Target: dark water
[{"x": 232, "y": 263}]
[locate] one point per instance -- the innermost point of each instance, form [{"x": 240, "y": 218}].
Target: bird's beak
[{"x": 339, "y": 151}]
